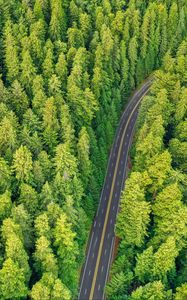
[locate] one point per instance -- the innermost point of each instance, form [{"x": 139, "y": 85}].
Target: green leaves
[
  {"x": 57, "y": 21},
  {"x": 154, "y": 290},
  {"x": 5, "y": 205},
  {"x": 11, "y": 53},
  {"x": 22, "y": 164},
  {"x": 50, "y": 124},
  {"x": 83, "y": 148},
  {"x": 67, "y": 249},
  {"x": 45, "y": 260},
  {"x": 50, "y": 288},
  {"x": 170, "y": 216},
  {"x": 118, "y": 284},
  {"x": 28, "y": 70},
  {"x": 65, "y": 162},
  {"x": 67, "y": 70},
  {"x": 152, "y": 217},
  {"x": 153, "y": 266},
  {"x": 12, "y": 274},
  {"x": 134, "y": 213},
  {"x": 5, "y": 175},
  {"x": 181, "y": 293}
]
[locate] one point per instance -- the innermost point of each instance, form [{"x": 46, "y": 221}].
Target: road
[{"x": 101, "y": 242}]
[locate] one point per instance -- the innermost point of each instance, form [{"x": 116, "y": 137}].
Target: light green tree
[
  {"x": 5, "y": 205},
  {"x": 83, "y": 148},
  {"x": 12, "y": 274},
  {"x": 50, "y": 124},
  {"x": 181, "y": 293},
  {"x": 5, "y": 175},
  {"x": 50, "y": 288},
  {"x": 22, "y": 218},
  {"x": 45, "y": 260},
  {"x": 18, "y": 99},
  {"x": 28, "y": 70},
  {"x": 29, "y": 198},
  {"x": 61, "y": 70},
  {"x": 119, "y": 284},
  {"x": 57, "y": 21},
  {"x": 8, "y": 135},
  {"x": 11, "y": 53},
  {"x": 134, "y": 213},
  {"x": 154, "y": 290},
  {"x": 67, "y": 250},
  {"x": 22, "y": 164}
]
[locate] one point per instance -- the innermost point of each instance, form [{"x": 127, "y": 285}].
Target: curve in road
[{"x": 100, "y": 246}]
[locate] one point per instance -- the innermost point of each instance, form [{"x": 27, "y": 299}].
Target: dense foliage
[
  {"x": 152, "y": 222},
  {"x": 65, "y": 67}
]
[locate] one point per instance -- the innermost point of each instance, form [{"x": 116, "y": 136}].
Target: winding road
[{"x": 101, "y": 242}]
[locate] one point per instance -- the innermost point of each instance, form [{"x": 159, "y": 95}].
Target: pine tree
[
  {"x": 18, "y": 100},
  {"x": 28, "y": 197},
  {"x": 50, "y": 124},
  {"x": 134, "y": 215},
  {"x": 12, "y": 274},
  {"x": 75, "y": 38},
  {"x": 66, "y": 126},
  {"x": 11, "y": 53},
  {"x": 119, "y": 284},
  {"x": 8, "y": 135},
  {"x": 48, "y": 64},
  {"x": 39, "y": 96},
  {"x": 5, "y": 175},
  {"x": 154, "y": 289},
  {"x": 49, "y": 288},
  {"x": 21, "y": 217},
  {"x": 45, "y": 260},
  {"x": 132, "y": 54},
  {"x": 58, "y": 20},
  {"x": 28, "y": 70},
  {"x": 83, "y": 155},
  {"x": 61, "y": 70},
  {"x": 181, "y": 293},
  {"x": 64, "y": 240},
  {"x": 5, "y": 205},
  {"x": 37, "y": 40},
  {"x": 22, "y": 164}
]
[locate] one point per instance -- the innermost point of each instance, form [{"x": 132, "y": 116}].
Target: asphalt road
[{"x": 101, "y": 242}]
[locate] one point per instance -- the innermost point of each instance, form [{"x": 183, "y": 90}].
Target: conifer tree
[
  {"x": 57, "y": 21},
  {"x": 11, "y": 53},
  {"x": 22, "y": 164},
  {"x": 83, "y": 155}
]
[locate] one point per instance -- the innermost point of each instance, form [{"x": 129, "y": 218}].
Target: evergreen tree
[
  {"x": 49, "y": 288},
  {"x": 28, "y": 70},
  {"x": 50, "y": 124},
  {"x": 61, "y": 70},
  {"x": 11, "y": 53},
  {"x": 83, "y": 155},
  {"x": 181, "y": 292},
  {"x": 12, "y": 274},
  {"x": 5, "y": 205},
  {"x": 18, "y": 100},
  {"x": 67, "y": 69},
  {"x": 153, "y": 289},
  {"x": 22, "y": 164},
  {"x": 5, "y": 175},
  {"x": 57, "y": 20}
]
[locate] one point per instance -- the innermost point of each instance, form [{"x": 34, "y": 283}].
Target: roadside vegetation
[{"x": 152, "y": 223}]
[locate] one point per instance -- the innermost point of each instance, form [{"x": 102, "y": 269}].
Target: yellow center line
[{"x": 109, "y": 202}]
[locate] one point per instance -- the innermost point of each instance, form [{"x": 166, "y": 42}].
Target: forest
[
  {"x": 65, "y": 67},
  {"x": 152, "y": 223}
]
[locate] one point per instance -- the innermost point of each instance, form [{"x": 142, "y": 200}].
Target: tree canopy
[{"x": 67, "y": 69}]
